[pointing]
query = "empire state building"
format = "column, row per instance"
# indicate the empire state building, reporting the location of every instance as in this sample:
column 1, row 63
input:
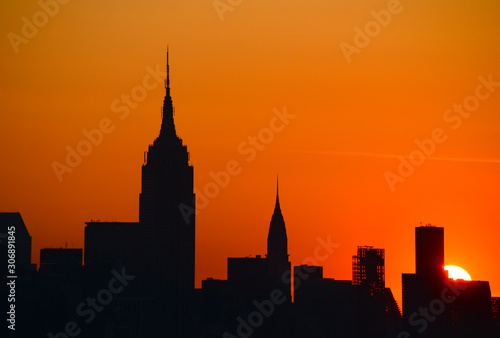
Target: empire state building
column 167, row 184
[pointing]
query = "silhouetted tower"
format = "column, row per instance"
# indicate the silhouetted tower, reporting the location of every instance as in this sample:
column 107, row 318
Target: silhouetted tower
column 166, row 213
column 368, row 269
column 429, row 251
column 427, row 284
column 277, row 251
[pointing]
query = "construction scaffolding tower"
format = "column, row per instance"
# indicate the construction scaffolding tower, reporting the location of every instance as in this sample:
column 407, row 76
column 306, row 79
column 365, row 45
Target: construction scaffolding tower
column 368, row 269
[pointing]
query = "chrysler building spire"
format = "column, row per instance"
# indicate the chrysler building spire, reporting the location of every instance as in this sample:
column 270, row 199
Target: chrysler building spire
column 277, row 241
column 277, row 250
column 277, row 205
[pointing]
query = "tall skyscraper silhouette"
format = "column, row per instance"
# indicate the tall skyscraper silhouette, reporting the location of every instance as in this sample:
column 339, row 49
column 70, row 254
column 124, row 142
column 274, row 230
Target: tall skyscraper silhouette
column 426, row 284
column 167, row 187
column 429, row 252
column 436, row 306
column 277, row 250
column 159, row 250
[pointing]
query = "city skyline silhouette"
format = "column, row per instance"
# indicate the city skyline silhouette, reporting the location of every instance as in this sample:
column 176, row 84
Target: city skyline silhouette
column 377, row 116
column 354, row 123
column 158, row 254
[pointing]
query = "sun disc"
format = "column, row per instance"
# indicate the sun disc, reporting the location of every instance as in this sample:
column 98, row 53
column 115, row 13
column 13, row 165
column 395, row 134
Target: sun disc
column 457, row 272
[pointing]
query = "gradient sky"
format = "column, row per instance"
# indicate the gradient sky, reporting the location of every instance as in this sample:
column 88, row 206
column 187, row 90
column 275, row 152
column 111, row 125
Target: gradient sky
column 352, row 121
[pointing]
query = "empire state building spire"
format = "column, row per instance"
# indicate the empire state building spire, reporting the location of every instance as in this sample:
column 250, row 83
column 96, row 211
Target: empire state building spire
column 277, row 205
column 167, row 80
column 167, row 130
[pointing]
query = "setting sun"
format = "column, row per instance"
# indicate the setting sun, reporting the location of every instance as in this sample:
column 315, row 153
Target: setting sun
column 457, row 272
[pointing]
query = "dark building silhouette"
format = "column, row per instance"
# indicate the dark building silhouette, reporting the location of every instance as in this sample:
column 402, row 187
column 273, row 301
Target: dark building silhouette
column 13, row 231
column 159, row 250
column 22, row 239
column 471, row 312
column 251, row 281
column 260, row 275
column 323, row 307
column 426, row 284
column 166, row 213
column 59, row 289
column 495, row 302
column 69, row 257
column 303, row 272
column 429, row 252
column 248, row 272
column 368, row 269
column 116, row 245
column 495, row 305
column 437, row 306
column 376, row 312
column 277, row 251
column 363, row 307
column 393, row 314
column 368, row 279
column 108, row 243
column 138, row 277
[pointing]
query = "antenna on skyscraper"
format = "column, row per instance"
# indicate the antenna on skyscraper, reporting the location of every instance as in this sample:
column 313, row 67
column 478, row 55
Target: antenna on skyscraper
column 167, row 80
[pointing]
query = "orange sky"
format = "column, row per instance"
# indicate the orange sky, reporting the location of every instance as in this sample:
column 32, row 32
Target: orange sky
column 352, row 121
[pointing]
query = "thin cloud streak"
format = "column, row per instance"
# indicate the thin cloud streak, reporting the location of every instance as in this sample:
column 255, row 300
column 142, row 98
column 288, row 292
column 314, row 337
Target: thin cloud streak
column 377, row 155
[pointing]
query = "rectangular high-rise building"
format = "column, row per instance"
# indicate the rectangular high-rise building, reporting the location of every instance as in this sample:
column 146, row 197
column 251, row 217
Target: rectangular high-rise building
column 429, row 251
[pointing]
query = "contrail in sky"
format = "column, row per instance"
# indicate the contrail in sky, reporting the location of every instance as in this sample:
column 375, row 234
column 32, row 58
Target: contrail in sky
column 433, row 158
